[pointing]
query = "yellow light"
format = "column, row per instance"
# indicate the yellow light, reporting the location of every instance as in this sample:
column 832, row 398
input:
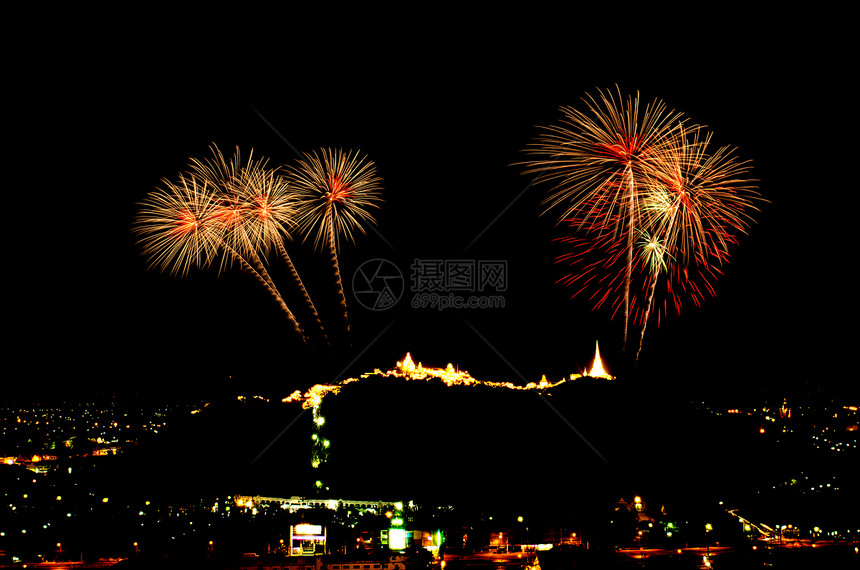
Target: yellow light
column 305, row 529
column 597, row 370
column 637, row 499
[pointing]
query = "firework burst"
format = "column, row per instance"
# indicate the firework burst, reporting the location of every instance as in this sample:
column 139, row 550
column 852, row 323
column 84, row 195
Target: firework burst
column 271, row 218
column 697, row 206
column 596, row 162
column 178, row 226
column 335, row 192
column 219, row 206
column 643, row 198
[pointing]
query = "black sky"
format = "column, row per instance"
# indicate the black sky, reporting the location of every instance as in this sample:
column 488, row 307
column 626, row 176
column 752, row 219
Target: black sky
column 444, row 116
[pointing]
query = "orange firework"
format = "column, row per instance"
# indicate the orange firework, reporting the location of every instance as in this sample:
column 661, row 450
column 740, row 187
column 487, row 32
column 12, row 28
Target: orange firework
column 596, row 162
column 335, row 192
column 254, row 210
column 219, row 206
column 697, row 205
column 178, row 227
column 271, row 215
column 629, row 182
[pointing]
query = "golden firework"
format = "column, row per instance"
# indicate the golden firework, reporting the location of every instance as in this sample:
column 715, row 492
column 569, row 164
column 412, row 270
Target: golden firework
column 335, row 193
column 178, row 226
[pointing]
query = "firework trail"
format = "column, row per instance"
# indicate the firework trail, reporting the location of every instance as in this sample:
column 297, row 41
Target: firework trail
column 272, row 213
column 249, row 218
column 335, row 191
column 219, row 206
column 697, row 205
column 181, row 226
column 596, row 163
column 690, row 206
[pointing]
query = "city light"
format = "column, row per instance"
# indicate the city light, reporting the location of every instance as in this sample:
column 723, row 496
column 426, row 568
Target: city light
column 397, row 539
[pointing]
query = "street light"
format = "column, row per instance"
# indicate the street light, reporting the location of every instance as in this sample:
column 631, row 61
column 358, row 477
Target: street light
column 708, row 528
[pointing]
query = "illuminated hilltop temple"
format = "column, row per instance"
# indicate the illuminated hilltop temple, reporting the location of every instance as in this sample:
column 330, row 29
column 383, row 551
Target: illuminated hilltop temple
column 597, row 370
column 408, row 370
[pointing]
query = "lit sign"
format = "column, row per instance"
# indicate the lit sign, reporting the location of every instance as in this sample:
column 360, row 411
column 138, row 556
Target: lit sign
column 397, row 539
column 307, row 529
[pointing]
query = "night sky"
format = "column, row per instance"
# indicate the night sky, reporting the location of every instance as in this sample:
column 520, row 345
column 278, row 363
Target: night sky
column 96, row 125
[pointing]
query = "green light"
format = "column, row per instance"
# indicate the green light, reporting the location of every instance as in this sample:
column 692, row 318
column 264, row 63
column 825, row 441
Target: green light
column 397, row 521
column 318, row 484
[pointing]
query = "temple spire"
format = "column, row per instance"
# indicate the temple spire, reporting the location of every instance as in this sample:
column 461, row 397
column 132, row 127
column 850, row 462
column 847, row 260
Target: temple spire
column 597, row 370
